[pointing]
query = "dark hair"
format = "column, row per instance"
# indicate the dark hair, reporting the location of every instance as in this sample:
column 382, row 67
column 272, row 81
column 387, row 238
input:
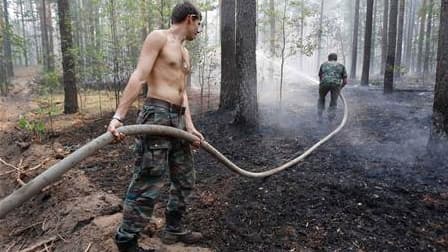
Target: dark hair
column 182, row 10
column 332, row 57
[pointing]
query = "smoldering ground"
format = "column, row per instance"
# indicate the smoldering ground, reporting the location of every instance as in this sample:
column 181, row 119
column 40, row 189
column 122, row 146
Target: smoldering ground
column 367, row 188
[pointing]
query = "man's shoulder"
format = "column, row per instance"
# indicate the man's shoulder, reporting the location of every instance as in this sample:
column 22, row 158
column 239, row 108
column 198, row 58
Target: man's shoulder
column 341, row 65
column 159, row 36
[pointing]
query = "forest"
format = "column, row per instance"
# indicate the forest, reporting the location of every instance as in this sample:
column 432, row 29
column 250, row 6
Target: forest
column 329, row 117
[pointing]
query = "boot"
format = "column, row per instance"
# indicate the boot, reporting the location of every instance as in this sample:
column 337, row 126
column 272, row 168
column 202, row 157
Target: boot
column 186, row 236
column 130, row 246
column 174, row 232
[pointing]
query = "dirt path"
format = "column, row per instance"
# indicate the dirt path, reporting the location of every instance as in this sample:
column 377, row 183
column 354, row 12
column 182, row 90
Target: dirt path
column 19, row 100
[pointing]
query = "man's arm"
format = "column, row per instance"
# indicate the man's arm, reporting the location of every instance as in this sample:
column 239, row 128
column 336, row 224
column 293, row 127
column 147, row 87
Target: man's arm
column 344, row 76
column 344, row 82
column 188, row 121
column 320, row 73
column 151, row 47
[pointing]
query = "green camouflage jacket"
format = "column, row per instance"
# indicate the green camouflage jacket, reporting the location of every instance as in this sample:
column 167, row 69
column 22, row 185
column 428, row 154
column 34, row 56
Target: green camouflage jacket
column 331, row 73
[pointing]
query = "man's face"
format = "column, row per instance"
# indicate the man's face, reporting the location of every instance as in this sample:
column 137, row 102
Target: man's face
column 194, row 27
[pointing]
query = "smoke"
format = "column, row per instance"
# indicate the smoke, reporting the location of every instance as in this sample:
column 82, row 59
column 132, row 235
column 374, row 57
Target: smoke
column 380, row 128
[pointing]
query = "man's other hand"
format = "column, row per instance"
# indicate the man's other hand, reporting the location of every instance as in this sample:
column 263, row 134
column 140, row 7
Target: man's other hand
column 112, row 128
column 197, row 134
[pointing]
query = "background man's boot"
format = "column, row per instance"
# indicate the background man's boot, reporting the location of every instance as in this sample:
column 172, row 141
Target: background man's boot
column 174, row 232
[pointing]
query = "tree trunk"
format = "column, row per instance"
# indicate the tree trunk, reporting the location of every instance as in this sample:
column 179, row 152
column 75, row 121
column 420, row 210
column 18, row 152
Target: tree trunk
column 355, row 42
column 49, row 25
column 283, row 49
column 372, row 46
column 229, row 86
column 272, row 27
column 399, row 41
column 113, row 24
column 410, row 35
column 319, row 34
column 68, row 59
column 25, row 48
column 302, row 26
column 428, row 38
column 44, row 36
column 384, row 37
column 391, row 48
column 367, row 44
column 246, row 65
column 421, row 37
column 438, row 140
column 3, row 74
column 7, row 42
column 33, row 6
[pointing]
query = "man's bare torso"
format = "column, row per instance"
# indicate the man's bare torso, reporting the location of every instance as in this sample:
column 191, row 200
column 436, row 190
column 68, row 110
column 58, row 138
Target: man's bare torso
column 166, row 81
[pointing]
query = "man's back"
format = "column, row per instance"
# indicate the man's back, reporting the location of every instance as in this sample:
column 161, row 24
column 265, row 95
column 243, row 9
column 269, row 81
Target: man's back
column 331, row 73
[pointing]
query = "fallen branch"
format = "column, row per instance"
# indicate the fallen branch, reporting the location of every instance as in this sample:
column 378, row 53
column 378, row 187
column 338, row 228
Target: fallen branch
column 19, row 180
column 7, row 172
column 88, row 247
column 23, row 171
column 24, row 229
column 39, row 244
column 8, row 164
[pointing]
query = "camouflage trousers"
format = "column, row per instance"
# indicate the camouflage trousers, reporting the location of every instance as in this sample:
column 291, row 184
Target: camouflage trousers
column 323, row 91
column 157, row 157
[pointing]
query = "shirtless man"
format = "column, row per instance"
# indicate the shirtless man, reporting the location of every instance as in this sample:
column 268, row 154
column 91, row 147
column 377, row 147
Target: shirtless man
column 164, row 65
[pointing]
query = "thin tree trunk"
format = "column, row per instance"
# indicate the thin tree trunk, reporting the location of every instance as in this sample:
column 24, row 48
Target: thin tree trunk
column 3, row 70
column 49, row 29
column 44, row 35
column 428, row 38
column 35, row 37
column 7, row 42
column 372, row 46
column 399, row 40
column 355, row 42
column 283, row 49
column 421, row 37
column 302, row 26
column 410, row 35
column 25, row 48
column 272, row 27
column 384, row 39
column 68, row 59
column 319, row 35
column 367, row 44
column 392, row 43
column 115, row 52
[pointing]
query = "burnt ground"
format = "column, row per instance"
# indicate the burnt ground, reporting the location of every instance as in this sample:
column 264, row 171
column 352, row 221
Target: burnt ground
column 370, row 188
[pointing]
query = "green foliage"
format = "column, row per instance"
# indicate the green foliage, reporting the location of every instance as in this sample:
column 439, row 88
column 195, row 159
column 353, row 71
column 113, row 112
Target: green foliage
column 50, row 82
column 35, row 127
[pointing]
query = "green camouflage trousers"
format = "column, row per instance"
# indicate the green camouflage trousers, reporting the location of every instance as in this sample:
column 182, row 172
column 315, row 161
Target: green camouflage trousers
column 155, row 156
column 323, row 91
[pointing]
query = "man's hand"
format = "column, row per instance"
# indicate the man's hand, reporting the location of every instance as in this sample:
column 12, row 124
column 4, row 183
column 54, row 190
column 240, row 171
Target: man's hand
column 112, row 128
column 197, row 134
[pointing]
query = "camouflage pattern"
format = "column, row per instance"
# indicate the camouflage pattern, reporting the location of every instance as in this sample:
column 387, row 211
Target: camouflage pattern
column 323, row 91
column 156, row 156
column 332, row 73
